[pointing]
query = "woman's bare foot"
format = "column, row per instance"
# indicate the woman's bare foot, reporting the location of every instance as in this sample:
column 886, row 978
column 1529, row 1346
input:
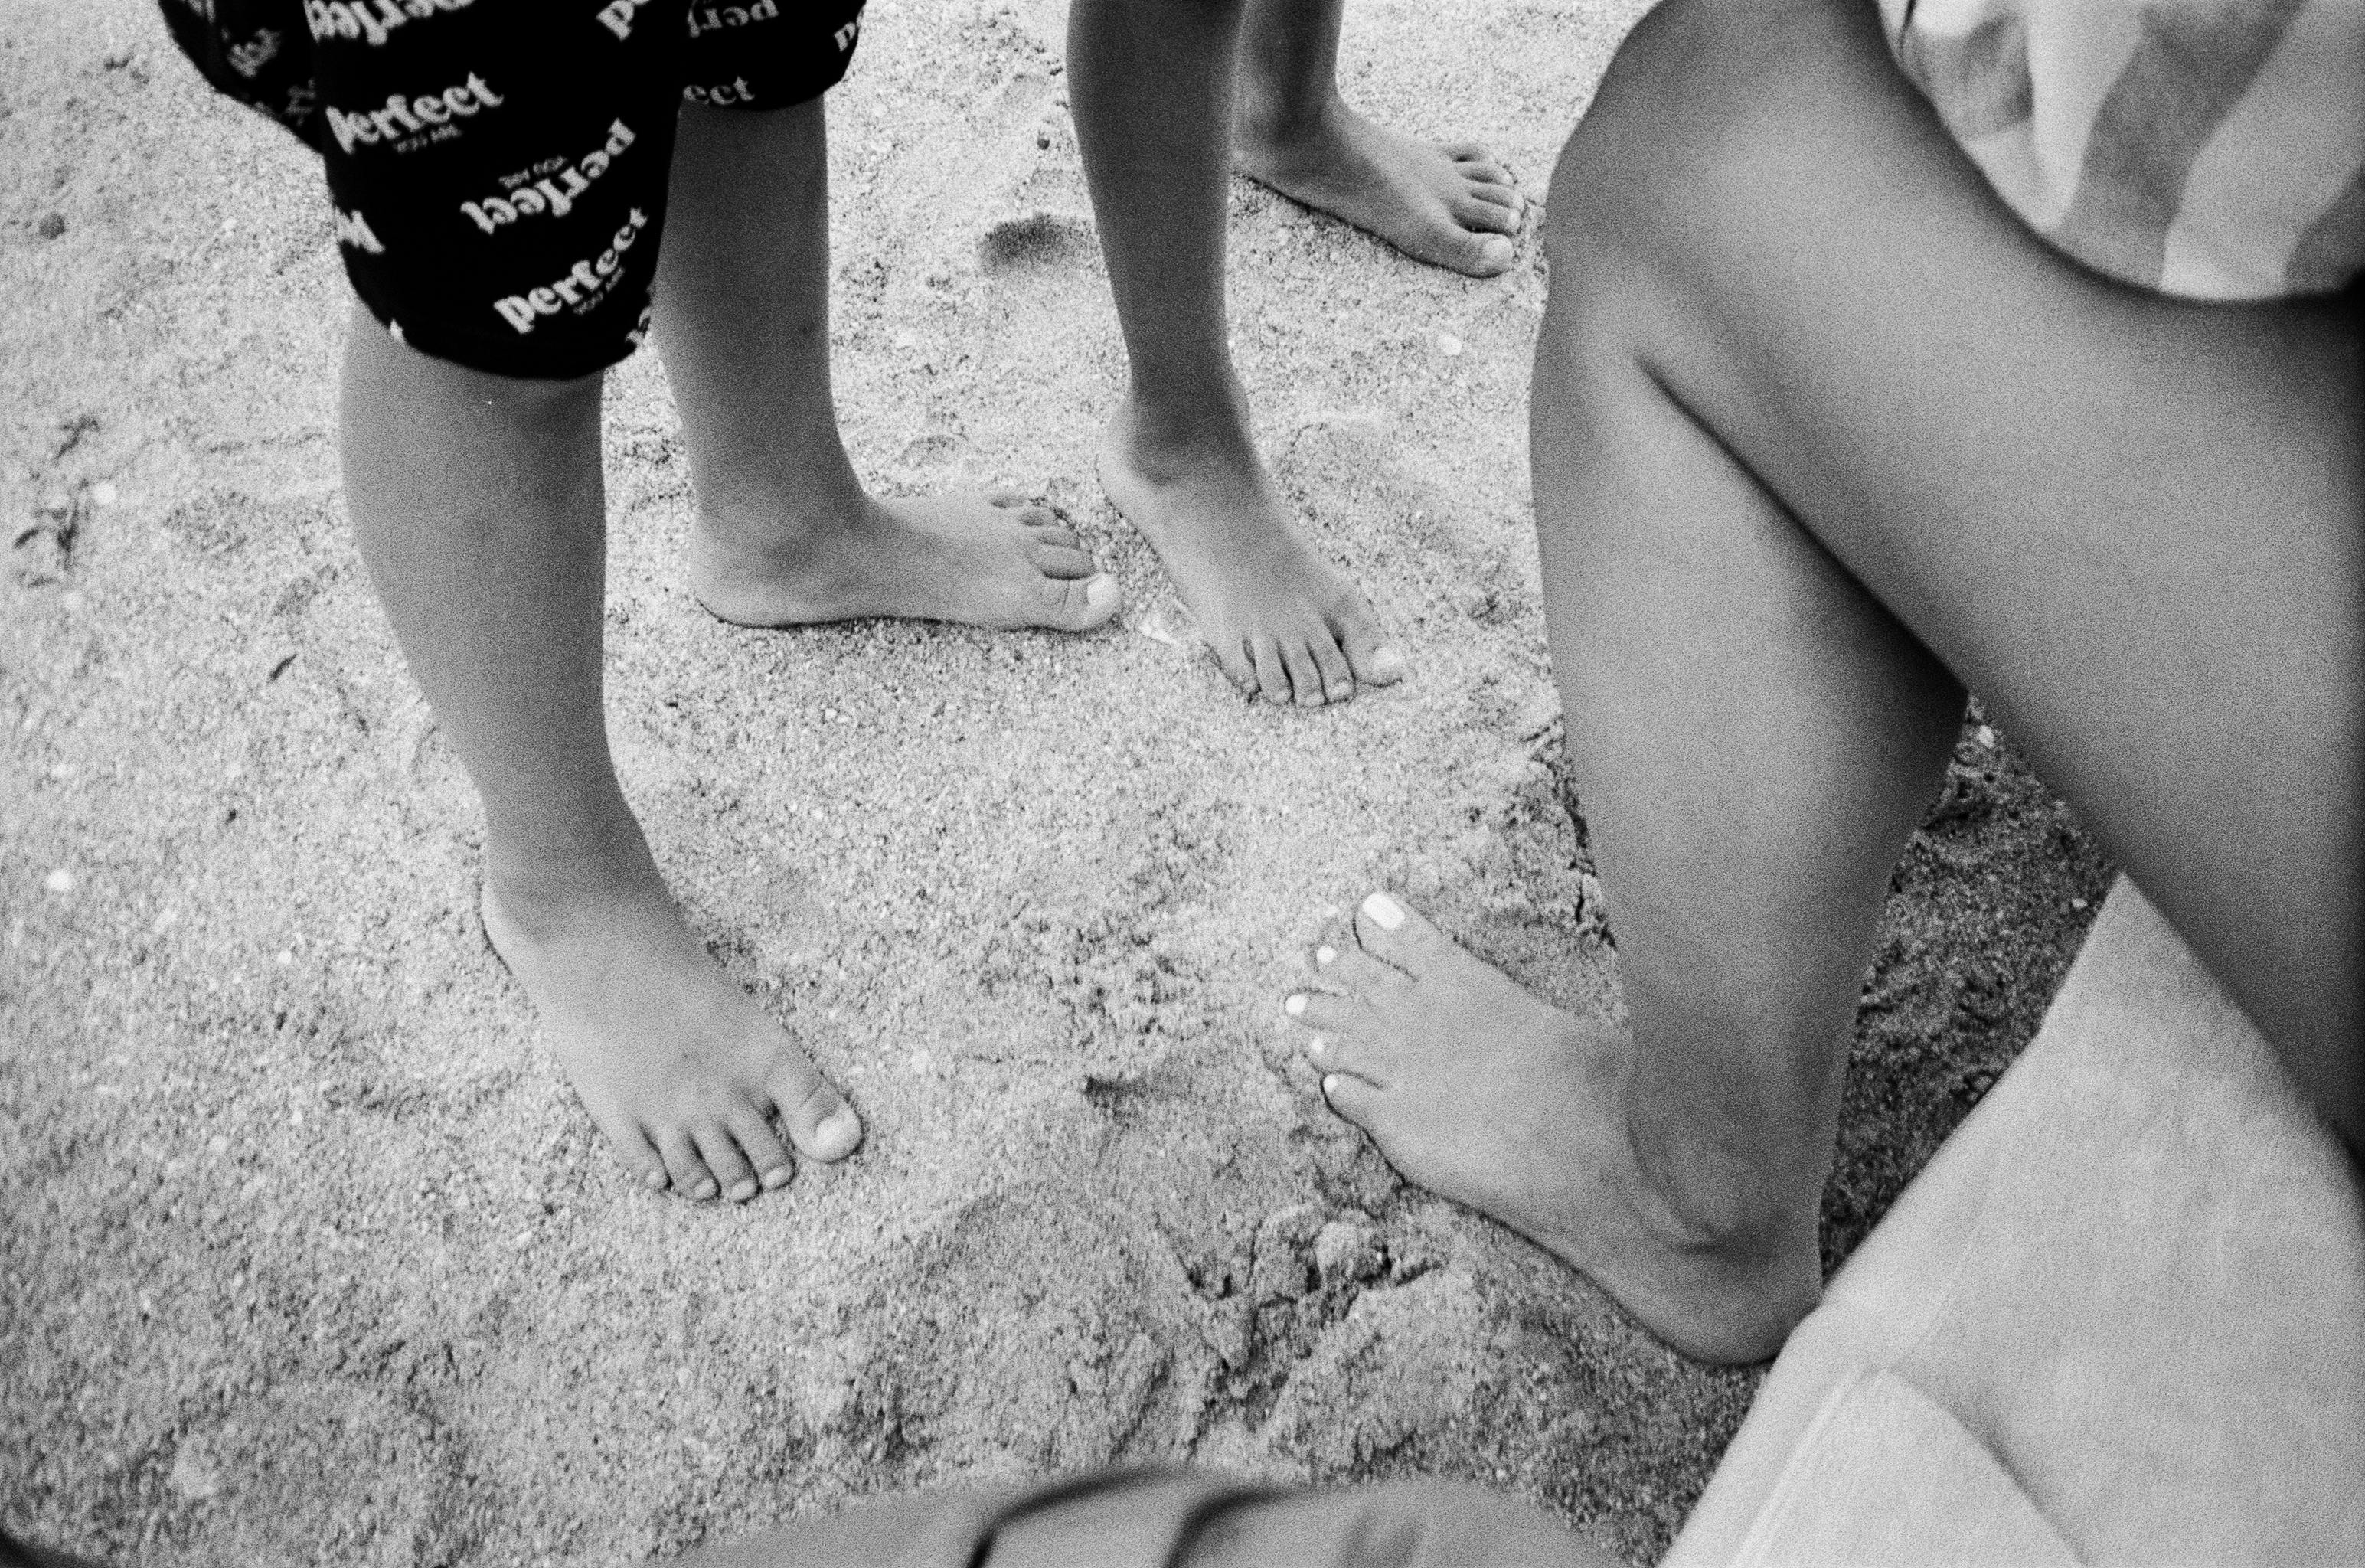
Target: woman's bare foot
column 1451, row 205
column 1280, row 619
column 679, row 1068
column 991, row 561
column 1478, row 1092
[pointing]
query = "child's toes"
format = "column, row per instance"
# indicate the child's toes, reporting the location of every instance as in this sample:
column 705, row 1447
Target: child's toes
column 1272, row 674
column 632, row 1147
column 685, row 1168
column 1306, row 682
column 731, row 1173
column 820, row 1122
column 1238, row 664
column 1332, row 669
column 752, row 1130
column 1475, row 212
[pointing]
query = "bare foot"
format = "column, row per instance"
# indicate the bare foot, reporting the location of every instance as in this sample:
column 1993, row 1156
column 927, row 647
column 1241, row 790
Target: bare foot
column 990, row 561
column 1450, row 205
column 679, row 1066
column 1478, row 1092
column 1280, row 619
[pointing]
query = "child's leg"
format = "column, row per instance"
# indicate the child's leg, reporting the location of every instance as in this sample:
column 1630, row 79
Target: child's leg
column 1815, row 423
column 1452, row 205
column 785, row 532
column 477, row 502
column 1152, row 92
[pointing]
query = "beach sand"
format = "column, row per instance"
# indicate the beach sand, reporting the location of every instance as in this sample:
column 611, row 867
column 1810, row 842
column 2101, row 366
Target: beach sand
column 309, row 1254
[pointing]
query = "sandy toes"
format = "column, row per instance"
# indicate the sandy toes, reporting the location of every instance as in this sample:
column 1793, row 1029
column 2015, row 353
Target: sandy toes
column 992, row 561
column 1480, row 1093
column 679, row 1068
column 1280, row 620
column 1450, row 205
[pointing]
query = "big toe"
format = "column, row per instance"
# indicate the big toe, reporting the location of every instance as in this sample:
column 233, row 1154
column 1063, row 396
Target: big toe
column 1370, row 654
column 820, row 1122
column 1402, row 937
column 1483, row 255
column 1078, row 604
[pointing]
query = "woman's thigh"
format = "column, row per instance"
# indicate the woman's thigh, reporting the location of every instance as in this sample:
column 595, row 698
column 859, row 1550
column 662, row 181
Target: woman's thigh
column 2131, row 523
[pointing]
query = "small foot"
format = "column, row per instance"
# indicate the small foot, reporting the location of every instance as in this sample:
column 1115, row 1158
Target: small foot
column 1280, row 620
column 991, row 561
column 678, row 1066
column 1451, row 205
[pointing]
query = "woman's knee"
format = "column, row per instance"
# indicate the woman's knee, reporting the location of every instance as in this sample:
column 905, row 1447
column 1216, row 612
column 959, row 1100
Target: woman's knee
column 1665, row 174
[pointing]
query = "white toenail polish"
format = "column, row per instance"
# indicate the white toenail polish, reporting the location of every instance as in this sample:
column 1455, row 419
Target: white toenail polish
column 1324, row 955
column 1316, row 1047
column 1384, row 911
column 1329, row 1083
column 1294, row 1006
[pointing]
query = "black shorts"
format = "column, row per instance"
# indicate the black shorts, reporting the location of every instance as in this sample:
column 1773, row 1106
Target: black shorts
column 498, row 166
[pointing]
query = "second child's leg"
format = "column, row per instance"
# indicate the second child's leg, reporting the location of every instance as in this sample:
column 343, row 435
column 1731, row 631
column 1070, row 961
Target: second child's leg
column 1152, row 90
column 785, row 533
column 477, row 502
column 1452, row 205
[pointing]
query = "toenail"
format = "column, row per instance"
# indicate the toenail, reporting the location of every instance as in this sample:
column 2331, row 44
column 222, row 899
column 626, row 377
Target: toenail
column 742, row 1191
column 1497, row 252
column 653, row 1179
column 1388, row 665
column 838, row 1133
column 1343, row 690
column 776, row 1177
column 1316, row 1048
column 1325, row 954
column 1329, row 1083
column 1294, row 1006
column 1329, row 912
column 705, row 1189
column 1384, row 911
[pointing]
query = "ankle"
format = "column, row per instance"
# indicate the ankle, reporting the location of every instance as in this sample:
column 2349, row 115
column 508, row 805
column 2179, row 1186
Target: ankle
column 779, row 515
column 1701, row 1197
column 1267, row 120
column 538, row 891
column 1167, row 434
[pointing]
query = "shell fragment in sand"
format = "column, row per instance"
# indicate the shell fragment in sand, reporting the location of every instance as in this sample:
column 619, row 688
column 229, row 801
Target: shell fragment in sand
column 1169, row 621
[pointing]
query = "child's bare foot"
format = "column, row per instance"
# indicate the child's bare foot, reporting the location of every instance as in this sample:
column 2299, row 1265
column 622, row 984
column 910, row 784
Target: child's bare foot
column 679, row 1066
column 1476, row 1091
column 1280, row 619
column 1450, row 205
column 990, row 561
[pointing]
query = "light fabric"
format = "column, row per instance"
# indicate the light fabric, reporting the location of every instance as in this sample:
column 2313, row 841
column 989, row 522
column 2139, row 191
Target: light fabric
column 2134, row 1278
column 2210, row 149
column 1884, row 1477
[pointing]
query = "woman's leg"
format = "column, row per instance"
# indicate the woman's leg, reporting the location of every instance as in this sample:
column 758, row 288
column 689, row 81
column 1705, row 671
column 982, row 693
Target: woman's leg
column 1819, row 429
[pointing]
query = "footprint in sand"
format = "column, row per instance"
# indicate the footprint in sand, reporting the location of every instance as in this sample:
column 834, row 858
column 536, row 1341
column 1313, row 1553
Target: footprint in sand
column 1034, row 240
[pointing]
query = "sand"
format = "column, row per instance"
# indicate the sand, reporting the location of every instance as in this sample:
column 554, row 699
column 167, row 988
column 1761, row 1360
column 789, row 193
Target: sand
column 309, row 1254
